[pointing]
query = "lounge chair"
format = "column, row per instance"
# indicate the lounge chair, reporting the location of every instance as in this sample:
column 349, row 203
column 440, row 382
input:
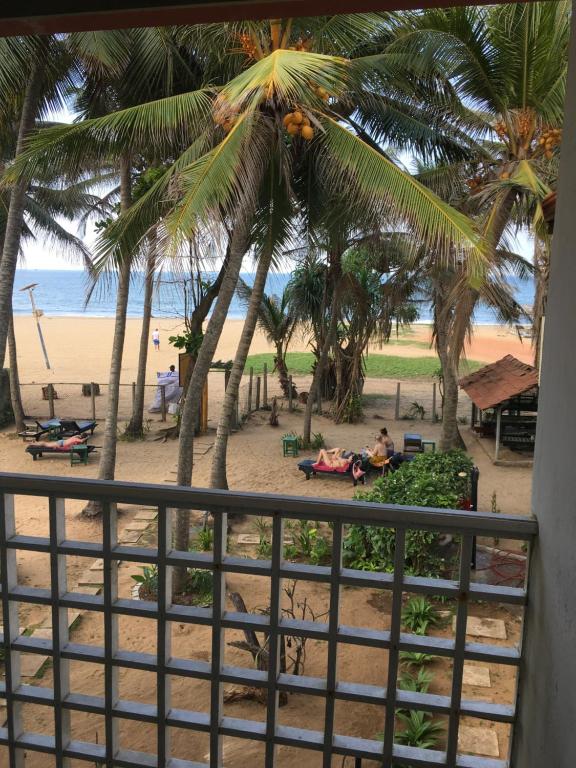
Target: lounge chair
column 34, row 430
column 352, row 471
column 72, row 427
column 78, row 453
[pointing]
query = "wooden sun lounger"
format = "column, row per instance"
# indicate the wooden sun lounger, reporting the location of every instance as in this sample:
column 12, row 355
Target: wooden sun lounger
column 78, row 453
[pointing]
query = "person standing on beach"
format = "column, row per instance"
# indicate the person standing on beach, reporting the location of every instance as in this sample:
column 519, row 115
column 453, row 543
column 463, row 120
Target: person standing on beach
column 156, row 339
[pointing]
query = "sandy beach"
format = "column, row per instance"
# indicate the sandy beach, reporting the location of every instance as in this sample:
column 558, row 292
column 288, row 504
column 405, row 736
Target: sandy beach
column 79, row 350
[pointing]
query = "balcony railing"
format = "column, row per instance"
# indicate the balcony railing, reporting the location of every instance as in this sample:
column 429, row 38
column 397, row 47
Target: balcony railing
column 19, row 743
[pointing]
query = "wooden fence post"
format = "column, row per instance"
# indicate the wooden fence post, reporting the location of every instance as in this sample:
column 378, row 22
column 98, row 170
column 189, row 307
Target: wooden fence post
column 290, row 405
column 265, row 388
column 163, row 402
column 93, row 398
column 250, row 382
column 434, row 415
column 397, row 409
column 258, row 385
column 133, row 394
column 51, row 399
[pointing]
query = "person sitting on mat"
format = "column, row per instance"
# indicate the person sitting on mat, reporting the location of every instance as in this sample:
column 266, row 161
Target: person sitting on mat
column 333, row 458
column 378, row 455
column 64, row 444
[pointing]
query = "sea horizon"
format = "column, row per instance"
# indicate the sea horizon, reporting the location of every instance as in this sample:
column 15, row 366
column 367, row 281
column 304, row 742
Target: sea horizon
column 62, row 293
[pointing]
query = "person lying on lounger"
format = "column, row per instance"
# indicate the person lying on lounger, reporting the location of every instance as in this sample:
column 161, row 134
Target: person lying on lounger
column 62, row 445
column 333, row 458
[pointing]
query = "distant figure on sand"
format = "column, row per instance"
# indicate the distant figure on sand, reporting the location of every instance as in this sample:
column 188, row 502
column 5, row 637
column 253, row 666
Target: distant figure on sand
column 332, row 458
column 64, row 444
column 156, row 339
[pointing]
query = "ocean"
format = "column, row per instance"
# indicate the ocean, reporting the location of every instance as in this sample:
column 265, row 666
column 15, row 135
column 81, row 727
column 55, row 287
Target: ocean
column 62, row 293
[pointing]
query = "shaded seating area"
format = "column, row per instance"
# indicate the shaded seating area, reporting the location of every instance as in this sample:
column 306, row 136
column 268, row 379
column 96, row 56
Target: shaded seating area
column 504, row 399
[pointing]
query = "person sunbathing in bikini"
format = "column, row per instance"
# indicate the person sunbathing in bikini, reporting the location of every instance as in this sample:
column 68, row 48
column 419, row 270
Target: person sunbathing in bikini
column 333, row 458
column 63, row 444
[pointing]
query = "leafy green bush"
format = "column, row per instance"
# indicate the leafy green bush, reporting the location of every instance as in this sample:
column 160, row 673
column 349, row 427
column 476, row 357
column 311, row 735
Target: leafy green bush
column 429, row 480
column 418, row 684
column 419, row 730
column 418, row 615
column 410, row 659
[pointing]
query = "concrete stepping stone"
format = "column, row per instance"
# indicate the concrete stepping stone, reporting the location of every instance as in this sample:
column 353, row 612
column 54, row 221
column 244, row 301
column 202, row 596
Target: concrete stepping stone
column 147, row 514
column 91, row 579
column 97, row 565
column 475, row 675
column 90, row 589
column 137, row 525
column 479, row 627
column 43, row 633
column 31, row 664
column 130, row 537
column 478, row 740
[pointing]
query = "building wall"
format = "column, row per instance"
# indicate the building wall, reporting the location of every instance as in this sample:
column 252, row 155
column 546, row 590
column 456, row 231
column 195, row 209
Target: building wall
column 546, row 732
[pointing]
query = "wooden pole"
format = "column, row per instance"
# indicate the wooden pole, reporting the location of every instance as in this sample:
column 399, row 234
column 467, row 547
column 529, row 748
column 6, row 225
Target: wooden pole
column 250, row 382
column 258, row 385
column 498, row 426
column 93, row 398
column 397, row 409
column 290, row 405
column 163, row 402
column 51, row 399
column 434, row 414
column 265, row 388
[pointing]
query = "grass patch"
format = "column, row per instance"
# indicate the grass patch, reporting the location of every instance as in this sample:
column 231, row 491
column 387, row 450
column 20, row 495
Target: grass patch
column 377, row 366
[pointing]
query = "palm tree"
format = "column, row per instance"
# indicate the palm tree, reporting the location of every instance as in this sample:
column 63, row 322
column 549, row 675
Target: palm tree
column 298, row 92
column 277, row 322
column 509, row 98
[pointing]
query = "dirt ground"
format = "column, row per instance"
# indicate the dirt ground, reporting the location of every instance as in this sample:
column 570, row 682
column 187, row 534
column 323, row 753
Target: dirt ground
column 255, row 464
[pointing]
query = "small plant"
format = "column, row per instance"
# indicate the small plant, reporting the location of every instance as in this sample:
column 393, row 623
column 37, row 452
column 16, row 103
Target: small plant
column 317, row 441
column 416, row 410
column 418, row 684
column 200, row 582
column 309, row 542
column 419, row 730
column 462, row 419
column 419, row 614
column 206, row 539
column 413, row 659
column 264, row 548
column 148, row 581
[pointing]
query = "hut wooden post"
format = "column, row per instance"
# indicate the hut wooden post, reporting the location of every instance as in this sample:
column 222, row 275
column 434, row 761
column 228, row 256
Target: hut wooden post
column 498, row 428
column 397, row 408
column 250, row 384
column 258, row 386
column 93, row 399
column 163, row 402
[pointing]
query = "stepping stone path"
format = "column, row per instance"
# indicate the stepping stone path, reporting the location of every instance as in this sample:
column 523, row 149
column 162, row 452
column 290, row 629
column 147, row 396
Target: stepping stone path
column 91, row 579
column 478, row 741
column 147, row 514
column 97, row 565
column 89, row 589
column 31, row 664
column 477, row 627
column 130, row 537
column 475, row 675
column 137, row 525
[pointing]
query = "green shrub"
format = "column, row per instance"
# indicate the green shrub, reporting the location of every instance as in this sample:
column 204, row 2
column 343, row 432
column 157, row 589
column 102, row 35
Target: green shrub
column 418, row 684
column 419, row 730
column 429, row 480
column 418, row 615
column 410, row 659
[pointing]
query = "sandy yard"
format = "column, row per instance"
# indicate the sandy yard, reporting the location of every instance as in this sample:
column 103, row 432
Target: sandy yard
column 255, row 464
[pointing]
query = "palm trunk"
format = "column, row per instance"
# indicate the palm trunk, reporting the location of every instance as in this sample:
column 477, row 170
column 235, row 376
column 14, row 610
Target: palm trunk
column 450, row 437
column 218, row 475
column 15, row 394
column 542, row 271
column 282, row 371
column 107, row 465
column 15, row 217
column 135, row 427
column 238, row 246
column 321, row 366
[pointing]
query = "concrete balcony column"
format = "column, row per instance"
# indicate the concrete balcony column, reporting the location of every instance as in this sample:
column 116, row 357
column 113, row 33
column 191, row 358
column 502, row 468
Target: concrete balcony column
column 545, row 734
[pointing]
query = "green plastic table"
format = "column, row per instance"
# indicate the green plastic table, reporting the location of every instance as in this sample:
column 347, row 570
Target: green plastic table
column 78, row 455
column 290, row 445
column 430, row 443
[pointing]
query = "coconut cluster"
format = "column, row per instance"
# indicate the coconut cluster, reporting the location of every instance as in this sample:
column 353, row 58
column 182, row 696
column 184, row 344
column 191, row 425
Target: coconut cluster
column 297, row 124
column 550, row 138
column 248, row 45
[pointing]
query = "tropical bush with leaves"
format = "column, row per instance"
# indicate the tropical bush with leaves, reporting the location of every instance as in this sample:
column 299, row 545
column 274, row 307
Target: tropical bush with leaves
column 419, row 614
column 429, row 480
